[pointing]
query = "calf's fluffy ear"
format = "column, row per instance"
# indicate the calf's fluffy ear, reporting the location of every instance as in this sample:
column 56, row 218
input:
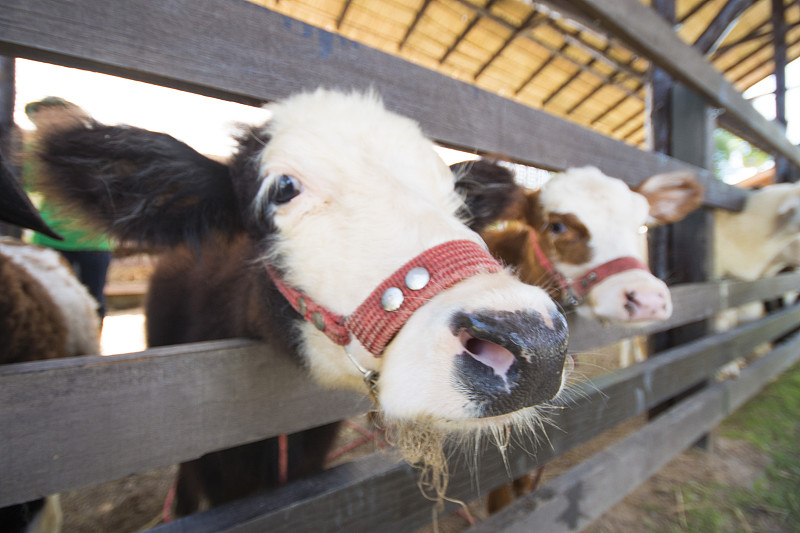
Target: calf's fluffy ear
column 672, row 196
column 489, row 190
column 137, row 184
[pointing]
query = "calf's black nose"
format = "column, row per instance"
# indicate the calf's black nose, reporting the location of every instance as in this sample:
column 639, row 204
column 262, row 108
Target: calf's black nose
column 510, row 359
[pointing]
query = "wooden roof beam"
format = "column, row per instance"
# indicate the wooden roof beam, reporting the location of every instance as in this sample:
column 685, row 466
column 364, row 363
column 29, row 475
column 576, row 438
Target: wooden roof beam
column 597, row 53
column 759, row 65
column 763, row 31
column 463, row 35
column 343, row 14
column 559, row 52
column 413, row 26
column 599, row 117
column 645, row 31
column 539, row 70
column 725, row 20
column 569, row 81
column 692, row 12
column 533, row 20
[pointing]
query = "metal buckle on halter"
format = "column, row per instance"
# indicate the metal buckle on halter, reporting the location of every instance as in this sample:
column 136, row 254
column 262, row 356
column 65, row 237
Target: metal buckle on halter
column 370, row 377
column 571, row 296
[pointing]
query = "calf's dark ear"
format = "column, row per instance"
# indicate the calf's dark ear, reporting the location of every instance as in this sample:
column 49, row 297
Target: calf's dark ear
column 139, row 185
column 488, row 189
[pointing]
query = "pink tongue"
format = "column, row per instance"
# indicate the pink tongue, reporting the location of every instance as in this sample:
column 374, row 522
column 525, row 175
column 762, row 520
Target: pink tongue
column 490, row 354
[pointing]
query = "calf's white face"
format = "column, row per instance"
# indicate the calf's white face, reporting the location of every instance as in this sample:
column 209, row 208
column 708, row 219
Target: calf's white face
column 587, row 219
column 763, row 238
column 353, row 193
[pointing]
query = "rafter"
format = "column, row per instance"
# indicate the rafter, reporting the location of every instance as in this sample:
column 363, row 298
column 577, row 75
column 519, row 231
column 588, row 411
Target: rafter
column 533, row 20
column 464, row 33
column 760, row 65
column 725, row 20
column 763, row 31
column 692, row 12
column 597, row 53
column 539, row 70
column 413, row 25
column 569, row 80
column 343, row 14
column 571, row 110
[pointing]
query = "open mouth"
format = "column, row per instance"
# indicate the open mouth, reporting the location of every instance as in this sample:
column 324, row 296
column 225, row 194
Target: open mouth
column 487, row 353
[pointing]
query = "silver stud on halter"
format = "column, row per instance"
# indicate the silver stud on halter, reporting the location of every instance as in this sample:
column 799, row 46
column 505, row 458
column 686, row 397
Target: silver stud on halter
column 392, row 299
column 417, row 278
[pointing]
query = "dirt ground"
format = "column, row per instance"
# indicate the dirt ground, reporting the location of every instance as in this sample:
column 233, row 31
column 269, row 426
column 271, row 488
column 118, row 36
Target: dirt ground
column 136, row 502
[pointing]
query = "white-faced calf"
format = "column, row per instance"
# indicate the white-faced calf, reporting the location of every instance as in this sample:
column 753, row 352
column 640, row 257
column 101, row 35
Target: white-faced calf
column 339, row 212
column 580, row 236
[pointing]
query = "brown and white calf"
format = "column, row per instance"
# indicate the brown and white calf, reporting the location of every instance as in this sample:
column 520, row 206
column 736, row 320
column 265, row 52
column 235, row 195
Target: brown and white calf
column 45, row 313
column 580, row 237
column 340, row 212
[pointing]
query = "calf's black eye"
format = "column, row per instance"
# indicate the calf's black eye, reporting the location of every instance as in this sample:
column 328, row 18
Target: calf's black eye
column 558, row 227
column 284, row 189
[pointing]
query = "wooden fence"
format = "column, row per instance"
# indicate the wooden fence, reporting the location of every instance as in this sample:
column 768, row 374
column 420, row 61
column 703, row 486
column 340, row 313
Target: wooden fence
column 76, row 422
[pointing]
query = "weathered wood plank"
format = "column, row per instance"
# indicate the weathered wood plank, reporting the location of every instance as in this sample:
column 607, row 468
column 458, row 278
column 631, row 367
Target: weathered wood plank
column 641, row 27
column 73, row 422
column 386, row 496
column 239, row 51
column 581, row 495
column 177, row 403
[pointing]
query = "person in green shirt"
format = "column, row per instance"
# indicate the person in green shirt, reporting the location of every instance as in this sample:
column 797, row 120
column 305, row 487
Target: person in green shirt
column 88, row 252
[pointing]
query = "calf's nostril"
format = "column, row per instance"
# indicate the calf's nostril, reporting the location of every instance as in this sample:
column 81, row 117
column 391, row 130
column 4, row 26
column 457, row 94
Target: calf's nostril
column 487, row 353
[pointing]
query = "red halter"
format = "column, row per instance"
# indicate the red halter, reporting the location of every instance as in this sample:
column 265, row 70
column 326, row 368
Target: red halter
column 575, row 290
column 378, row 319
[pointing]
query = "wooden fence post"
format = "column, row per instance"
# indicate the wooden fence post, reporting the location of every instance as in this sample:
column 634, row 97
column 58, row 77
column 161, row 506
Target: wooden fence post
column 7, row 139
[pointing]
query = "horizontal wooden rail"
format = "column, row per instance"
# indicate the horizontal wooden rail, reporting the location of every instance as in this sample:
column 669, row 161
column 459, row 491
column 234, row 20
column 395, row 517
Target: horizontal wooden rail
column 378, row 492
column 80, row 421
column 239, row 51
column 57, row 417
column 691, row 302
column 582, row 494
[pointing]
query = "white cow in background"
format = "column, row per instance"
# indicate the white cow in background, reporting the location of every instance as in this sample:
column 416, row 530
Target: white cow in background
column 761, row 240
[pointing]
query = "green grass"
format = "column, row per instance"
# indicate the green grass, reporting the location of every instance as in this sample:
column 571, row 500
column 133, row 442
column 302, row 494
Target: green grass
column 771, row 422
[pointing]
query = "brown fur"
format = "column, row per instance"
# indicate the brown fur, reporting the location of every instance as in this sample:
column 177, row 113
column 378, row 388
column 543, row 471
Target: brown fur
column 512, row 244
column 219, row 291
column 30, row 324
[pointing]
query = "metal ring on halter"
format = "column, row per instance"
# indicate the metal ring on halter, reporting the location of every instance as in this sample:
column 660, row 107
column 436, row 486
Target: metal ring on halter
column 370, row 377
column 572, row 299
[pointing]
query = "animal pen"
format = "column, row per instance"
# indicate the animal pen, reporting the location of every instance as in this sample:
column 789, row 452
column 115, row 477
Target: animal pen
column 76, row 422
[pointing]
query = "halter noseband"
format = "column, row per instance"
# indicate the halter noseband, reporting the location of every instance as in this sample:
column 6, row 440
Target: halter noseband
column 576, row 290
column 378, row 319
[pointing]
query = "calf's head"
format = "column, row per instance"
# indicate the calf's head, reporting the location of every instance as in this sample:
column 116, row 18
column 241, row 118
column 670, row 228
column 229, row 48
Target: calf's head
column 338, row 195
column 763, row 238
column 581, row 235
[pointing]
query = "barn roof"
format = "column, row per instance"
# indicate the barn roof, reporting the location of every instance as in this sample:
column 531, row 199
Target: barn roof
column 548, row 55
